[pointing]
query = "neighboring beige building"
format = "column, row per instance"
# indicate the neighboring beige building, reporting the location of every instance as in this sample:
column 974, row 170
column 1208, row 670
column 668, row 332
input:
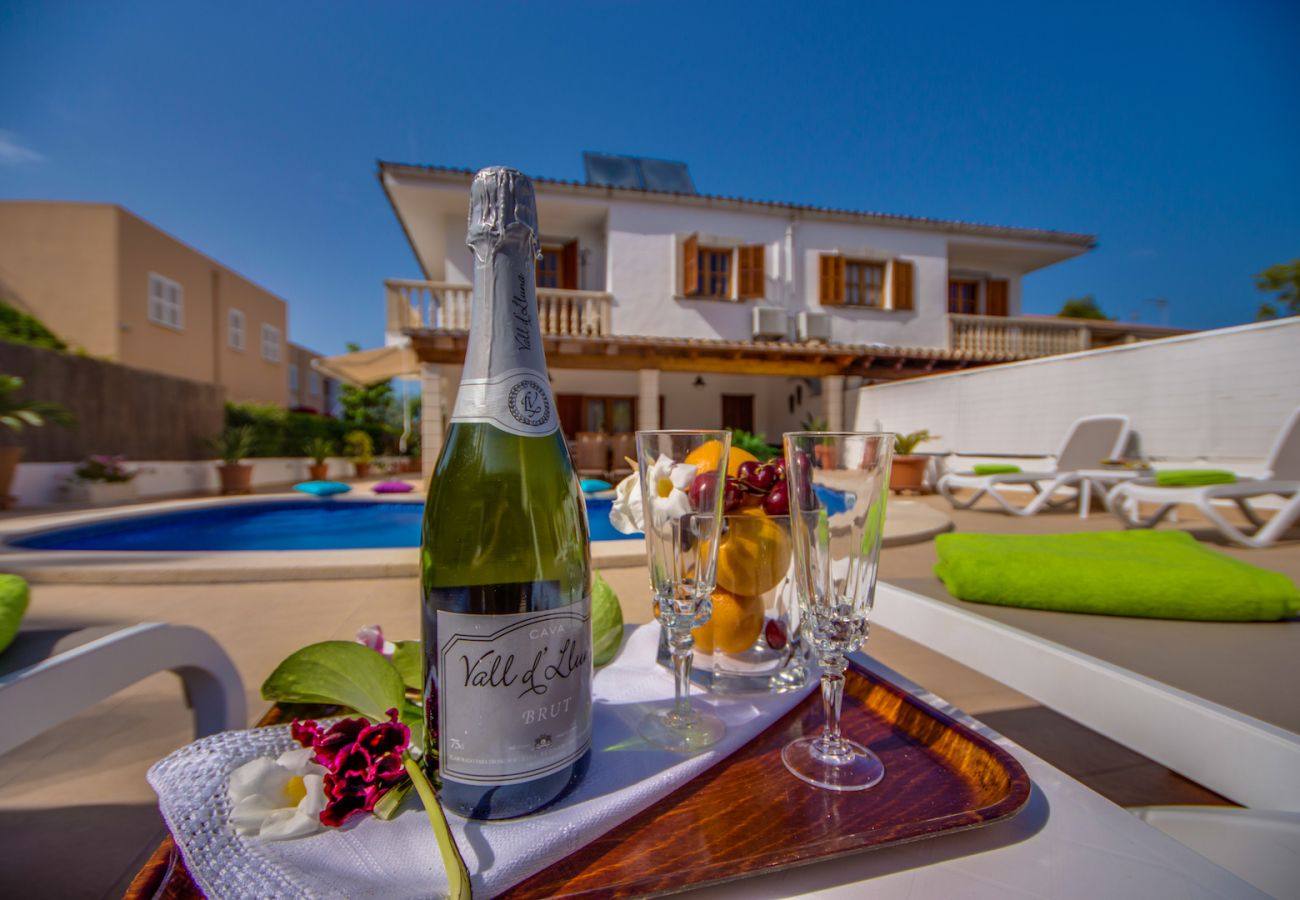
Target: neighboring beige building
column 106, row 281
column 309, row 390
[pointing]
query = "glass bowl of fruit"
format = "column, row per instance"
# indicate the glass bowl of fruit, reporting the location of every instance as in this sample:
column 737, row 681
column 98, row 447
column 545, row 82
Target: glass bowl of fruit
column 751, row 641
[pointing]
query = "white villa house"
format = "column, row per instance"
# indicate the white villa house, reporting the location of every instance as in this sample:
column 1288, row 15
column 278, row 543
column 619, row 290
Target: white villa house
column 664, row 307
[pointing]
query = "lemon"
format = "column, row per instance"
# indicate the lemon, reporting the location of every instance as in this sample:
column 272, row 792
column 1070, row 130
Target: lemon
column 754, row 555
column 734, row 626
column 706, row 457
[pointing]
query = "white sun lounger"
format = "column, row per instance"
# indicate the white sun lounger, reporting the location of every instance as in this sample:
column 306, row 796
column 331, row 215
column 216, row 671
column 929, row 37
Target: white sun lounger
column 1089, row 441
column 1282, row 479
column 48, row 676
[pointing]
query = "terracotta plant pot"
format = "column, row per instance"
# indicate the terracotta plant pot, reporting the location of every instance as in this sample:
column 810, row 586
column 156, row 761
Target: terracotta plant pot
column 9, row 458
column 363, row 469
column 828, row 456
column 236, row 478
column 908, row 473
column 319, row 471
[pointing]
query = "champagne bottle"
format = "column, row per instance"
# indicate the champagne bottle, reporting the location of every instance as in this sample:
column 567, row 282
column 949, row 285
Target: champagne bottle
column 505, row 561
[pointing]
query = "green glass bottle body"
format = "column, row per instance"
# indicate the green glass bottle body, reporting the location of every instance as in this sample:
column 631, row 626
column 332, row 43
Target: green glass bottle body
column 505, row 559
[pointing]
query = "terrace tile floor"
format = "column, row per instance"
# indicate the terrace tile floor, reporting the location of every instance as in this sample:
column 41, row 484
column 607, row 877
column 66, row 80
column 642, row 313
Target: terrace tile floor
column 78, row 818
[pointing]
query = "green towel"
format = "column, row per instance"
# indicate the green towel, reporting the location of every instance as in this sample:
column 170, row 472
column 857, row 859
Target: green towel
column 1194, row 477
column 995, row 469
column 13, row 604
column 1159, row 574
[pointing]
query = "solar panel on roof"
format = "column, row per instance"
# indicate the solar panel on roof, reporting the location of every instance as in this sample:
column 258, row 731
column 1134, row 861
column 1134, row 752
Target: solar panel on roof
column 609, row 170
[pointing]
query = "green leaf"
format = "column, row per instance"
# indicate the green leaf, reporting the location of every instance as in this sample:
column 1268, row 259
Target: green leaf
column 457, row 874
column 341, row 672
column 412, row 716
column 409, row 660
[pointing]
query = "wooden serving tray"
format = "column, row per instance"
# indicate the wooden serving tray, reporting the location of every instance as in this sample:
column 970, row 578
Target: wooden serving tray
column 747, row 815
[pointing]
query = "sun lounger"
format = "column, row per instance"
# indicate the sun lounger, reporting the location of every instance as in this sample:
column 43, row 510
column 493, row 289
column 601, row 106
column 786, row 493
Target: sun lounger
column 592, row 454
column 48, row 676
column 1089, row 441
column 622, row 447
column 1282, row 480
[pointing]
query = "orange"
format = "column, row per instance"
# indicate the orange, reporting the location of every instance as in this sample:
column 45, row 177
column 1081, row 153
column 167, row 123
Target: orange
column 706, row 457
column 734, row 626
column 754, row 554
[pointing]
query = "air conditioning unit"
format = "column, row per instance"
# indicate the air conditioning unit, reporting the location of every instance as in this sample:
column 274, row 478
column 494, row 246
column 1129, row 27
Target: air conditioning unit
column 814, row 327
column 770, row 323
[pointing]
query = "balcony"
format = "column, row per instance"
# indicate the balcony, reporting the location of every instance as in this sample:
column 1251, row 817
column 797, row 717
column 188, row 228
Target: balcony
column 1023, row 337
column 445, row 306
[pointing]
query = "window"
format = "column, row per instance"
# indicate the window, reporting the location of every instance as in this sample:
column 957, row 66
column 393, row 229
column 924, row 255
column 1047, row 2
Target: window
column 863, row 282
column 293, row 378
column 707, row 271
column 852, row 282
column 963, row 297
column 235, row 329
column 270, row 343
column 166, row 302
column 557, row 268
column 313, row 383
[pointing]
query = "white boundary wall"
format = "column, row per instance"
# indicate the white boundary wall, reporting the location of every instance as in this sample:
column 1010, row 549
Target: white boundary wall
column 40, row 483
column 1214, row 395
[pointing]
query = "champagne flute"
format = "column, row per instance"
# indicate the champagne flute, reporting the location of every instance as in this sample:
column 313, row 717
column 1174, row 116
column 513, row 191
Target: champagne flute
column 683, row 479
column 838, row 483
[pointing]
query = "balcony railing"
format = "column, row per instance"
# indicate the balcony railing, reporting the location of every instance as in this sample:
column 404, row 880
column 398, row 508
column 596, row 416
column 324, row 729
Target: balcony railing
column 445, row 306
column 1004, row 336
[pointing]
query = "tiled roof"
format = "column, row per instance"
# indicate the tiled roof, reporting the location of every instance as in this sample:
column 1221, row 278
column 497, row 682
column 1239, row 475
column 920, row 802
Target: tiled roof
column 972, row 228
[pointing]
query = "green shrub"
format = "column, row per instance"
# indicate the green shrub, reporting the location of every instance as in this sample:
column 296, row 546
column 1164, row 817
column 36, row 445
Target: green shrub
column 18, row 327
column 753, row 443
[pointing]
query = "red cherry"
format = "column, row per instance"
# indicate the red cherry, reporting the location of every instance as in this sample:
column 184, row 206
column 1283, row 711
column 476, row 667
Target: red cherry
column 777, row 502
column 733, row 495
column 763, row 479
column 774, row 632
column 779, row 465
column 745, row 471
column 702, row 490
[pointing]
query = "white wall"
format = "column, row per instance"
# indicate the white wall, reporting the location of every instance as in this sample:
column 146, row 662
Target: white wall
column 1220, row 394
column 39, row 484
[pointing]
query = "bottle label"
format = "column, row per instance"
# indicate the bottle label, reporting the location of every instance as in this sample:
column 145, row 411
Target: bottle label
column 514, row 691
column 517, row 401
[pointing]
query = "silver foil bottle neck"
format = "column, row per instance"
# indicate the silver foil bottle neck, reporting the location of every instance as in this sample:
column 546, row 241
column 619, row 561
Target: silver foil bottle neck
column 502, row 206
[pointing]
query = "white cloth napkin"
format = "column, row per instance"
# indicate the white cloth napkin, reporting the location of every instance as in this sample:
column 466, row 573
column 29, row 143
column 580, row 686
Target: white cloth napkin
column 399, row 858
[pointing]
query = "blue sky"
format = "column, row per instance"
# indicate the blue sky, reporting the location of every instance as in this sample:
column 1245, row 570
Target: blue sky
column 251, row 131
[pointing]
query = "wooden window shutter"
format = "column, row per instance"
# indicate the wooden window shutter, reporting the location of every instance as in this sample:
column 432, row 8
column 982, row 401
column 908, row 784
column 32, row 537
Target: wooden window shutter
column 902, row 298
column 832, row 279
column 752, row 275
column 569, row 266
column 691, row 265
column 995, row 298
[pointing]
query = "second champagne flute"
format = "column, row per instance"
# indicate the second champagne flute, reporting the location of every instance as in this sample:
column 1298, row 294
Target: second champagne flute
column 683, row 478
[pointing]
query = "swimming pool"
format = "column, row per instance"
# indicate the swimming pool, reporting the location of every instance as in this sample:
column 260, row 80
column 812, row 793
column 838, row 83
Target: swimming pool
column 271, row 525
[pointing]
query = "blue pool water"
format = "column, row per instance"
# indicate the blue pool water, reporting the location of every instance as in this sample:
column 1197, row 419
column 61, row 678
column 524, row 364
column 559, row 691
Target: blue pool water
column 273, row 525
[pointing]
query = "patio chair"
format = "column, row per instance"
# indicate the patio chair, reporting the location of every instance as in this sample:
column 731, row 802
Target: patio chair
column 1282, row 480
column 1089, row 441
column 592, row 454
column 622, row 447
column 47, row 676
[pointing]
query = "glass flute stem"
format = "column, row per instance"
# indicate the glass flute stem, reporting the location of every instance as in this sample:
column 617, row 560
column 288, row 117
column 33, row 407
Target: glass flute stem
column 831, row 745
column 682, row 646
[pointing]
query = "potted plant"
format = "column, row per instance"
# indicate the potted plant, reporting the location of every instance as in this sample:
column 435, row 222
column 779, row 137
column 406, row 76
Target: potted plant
column 232, row 445
column 15, row 415
column 320, row 449
column 360, row 451
column 908, row 471
column 101, row 479
column 826, row 453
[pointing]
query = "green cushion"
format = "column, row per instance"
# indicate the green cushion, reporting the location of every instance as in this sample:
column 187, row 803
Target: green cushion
column 996, row 469
column 1157, row 574
column 595, row 486
column 13, row 605
column 1194, row 477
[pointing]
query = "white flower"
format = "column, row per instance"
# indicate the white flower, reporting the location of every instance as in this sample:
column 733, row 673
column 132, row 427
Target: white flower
column 278, row 799
column 625, row 513
column 669, row 482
